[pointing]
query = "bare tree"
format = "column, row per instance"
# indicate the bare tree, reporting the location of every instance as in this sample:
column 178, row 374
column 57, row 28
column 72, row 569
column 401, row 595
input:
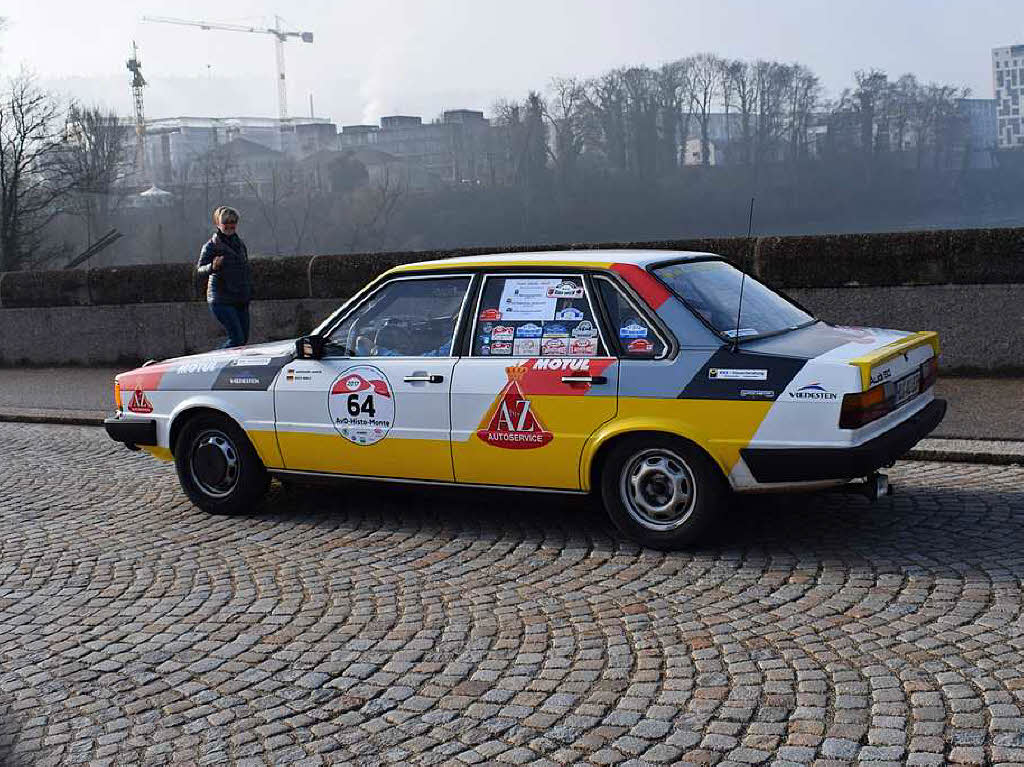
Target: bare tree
column 606, row 124
column 372, row 211
column 704, row 84
column 740, row 76
column 285, row 202
column 641, row 90
column 30, row 181
column 564, row 113
column 673, row 81
column 93, row 160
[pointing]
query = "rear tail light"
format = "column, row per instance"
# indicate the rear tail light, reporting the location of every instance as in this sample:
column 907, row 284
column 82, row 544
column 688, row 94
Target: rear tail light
column 864, row 407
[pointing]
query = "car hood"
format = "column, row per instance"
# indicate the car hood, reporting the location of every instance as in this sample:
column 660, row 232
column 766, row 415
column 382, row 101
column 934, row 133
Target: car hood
column 245, row 368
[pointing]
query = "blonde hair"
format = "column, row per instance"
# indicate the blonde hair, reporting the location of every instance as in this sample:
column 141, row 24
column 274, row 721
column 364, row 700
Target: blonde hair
column 224, row 215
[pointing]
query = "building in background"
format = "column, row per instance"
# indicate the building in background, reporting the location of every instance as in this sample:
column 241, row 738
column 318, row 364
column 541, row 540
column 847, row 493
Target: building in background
column 1008, row 84
column 982, row 131
column 458, row 148
column 174, row 144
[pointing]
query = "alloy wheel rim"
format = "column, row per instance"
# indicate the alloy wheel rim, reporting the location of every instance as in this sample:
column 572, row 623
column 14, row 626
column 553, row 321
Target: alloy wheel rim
column 658, row 489
column 214, row 463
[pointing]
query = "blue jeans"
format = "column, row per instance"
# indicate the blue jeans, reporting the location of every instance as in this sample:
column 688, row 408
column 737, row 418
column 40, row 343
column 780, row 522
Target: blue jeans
column 235, row 320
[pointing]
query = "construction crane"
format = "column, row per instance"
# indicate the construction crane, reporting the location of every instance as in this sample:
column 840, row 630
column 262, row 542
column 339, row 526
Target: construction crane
column 280, row 36
column 138, row 83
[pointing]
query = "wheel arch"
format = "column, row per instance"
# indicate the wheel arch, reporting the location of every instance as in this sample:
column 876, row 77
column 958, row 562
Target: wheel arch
column 596, row 451
column 186, row 413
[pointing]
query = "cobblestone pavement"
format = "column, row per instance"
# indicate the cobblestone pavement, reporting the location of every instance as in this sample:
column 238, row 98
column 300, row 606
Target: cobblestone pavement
column 394, row 626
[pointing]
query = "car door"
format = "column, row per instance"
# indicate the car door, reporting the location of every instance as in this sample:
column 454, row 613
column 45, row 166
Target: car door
column 537, row 383
column 377, row 404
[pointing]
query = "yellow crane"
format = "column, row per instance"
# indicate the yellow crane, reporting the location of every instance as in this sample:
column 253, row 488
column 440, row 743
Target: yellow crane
column 280, row 36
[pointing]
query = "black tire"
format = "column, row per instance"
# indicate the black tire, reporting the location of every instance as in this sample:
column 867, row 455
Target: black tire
column 662, row 492
column 218, row 467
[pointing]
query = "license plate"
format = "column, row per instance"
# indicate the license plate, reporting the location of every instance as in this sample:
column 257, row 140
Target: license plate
column 908, row 388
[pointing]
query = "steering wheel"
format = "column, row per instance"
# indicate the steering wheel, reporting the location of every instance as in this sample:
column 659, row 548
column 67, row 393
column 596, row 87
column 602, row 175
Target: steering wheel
column 365, row 347
column 396, row 337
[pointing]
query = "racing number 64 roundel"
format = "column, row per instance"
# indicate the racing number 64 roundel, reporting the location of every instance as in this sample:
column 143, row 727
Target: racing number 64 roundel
column 362, row 405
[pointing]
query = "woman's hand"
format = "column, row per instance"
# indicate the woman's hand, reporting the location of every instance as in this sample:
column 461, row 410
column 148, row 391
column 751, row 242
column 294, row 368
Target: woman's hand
column 217, row 260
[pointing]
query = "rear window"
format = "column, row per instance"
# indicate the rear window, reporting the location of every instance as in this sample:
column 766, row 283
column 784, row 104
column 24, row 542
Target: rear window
column 712, row 289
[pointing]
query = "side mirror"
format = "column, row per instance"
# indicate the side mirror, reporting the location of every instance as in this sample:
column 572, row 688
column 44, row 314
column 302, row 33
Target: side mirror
column 309, row 348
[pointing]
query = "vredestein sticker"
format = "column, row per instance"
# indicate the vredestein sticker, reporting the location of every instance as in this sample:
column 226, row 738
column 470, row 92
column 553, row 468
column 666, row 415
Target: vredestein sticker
column 362, row 405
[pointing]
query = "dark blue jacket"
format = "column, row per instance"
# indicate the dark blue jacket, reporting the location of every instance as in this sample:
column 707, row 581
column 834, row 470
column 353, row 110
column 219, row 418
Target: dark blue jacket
column 232, row 283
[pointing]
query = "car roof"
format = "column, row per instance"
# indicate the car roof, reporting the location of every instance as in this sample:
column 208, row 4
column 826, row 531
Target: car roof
column 594, row 259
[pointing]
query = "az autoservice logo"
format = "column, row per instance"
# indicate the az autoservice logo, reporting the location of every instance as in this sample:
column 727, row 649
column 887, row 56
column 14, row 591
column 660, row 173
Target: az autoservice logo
column 813, row 392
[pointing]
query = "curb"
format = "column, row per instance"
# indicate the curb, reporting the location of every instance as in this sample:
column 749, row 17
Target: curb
column 61, row 417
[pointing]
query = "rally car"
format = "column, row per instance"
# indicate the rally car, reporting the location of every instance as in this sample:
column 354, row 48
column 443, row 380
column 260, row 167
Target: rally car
column 659, row 381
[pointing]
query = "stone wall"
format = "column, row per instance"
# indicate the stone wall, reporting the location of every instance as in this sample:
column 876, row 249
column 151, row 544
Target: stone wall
column 967, row 284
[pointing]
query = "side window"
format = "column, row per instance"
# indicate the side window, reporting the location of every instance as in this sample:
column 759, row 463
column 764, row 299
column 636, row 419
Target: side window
column 636, row 335
column 405, row 318
column 536, row 316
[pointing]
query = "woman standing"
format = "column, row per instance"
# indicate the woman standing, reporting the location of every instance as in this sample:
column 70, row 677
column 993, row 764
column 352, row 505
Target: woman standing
column 226, row 261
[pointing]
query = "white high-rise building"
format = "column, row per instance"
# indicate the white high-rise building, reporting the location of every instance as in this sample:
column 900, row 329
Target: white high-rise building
column 1008, row 84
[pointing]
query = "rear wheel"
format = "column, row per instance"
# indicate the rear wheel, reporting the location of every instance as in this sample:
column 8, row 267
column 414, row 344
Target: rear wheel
column 662, row 492
column 218, row 467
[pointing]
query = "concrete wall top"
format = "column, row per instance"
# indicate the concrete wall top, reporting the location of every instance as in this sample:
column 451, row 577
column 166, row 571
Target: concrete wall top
column 958, row 256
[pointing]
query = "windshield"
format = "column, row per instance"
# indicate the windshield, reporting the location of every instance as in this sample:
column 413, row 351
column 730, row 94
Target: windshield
column 712, row 289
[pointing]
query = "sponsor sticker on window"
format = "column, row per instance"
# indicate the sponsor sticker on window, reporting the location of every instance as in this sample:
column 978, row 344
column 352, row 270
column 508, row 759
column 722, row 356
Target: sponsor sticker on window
column 633, row 329
column 526, row 347
column 569, row 314
column 527, row 298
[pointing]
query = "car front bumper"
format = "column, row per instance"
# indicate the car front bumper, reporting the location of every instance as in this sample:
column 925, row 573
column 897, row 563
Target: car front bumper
column 133, row 433
column 813, row 464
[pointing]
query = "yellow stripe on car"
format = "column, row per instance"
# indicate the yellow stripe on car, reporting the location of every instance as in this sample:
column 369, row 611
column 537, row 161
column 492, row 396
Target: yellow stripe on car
column 893, row 350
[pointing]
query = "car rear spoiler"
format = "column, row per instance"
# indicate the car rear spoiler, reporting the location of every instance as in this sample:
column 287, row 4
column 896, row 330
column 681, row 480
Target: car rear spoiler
column 893, row 350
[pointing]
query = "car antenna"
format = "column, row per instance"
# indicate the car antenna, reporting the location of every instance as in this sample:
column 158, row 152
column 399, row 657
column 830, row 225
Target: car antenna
column 743, row 279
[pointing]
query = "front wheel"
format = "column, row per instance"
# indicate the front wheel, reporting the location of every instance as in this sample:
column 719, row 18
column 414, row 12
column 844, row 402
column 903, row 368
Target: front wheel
column 663, row 493
column 218, row 467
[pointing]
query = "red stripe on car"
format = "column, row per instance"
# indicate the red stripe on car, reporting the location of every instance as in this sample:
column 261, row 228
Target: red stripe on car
column 647, row 287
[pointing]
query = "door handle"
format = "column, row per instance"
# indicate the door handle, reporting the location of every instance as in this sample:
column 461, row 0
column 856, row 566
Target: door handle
column 424, row 378
column 584, row 379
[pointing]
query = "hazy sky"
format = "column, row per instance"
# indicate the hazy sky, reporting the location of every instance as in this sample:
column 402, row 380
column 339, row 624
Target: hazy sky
column 377, row 57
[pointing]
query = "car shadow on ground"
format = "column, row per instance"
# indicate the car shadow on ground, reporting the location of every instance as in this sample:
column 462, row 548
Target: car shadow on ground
column 969, row 527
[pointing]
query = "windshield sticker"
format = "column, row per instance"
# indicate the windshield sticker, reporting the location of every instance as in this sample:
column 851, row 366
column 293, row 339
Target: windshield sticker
column 552, row 330
column 570, row 314
column 736, row 374
column 583, row 347
column 529, row 330
column 640, row 346
column 501, row 347
column 526, row 347
column 633, row 330
column 528, row 299
column 742, row 332
column 485, row 350
column 503, row 333
column 813, row 392
column 139, row 404
column 361, row 405
column 511, row 422
column 585, row 329
column 490, row 314
column 554, row 347
column 566, row 289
